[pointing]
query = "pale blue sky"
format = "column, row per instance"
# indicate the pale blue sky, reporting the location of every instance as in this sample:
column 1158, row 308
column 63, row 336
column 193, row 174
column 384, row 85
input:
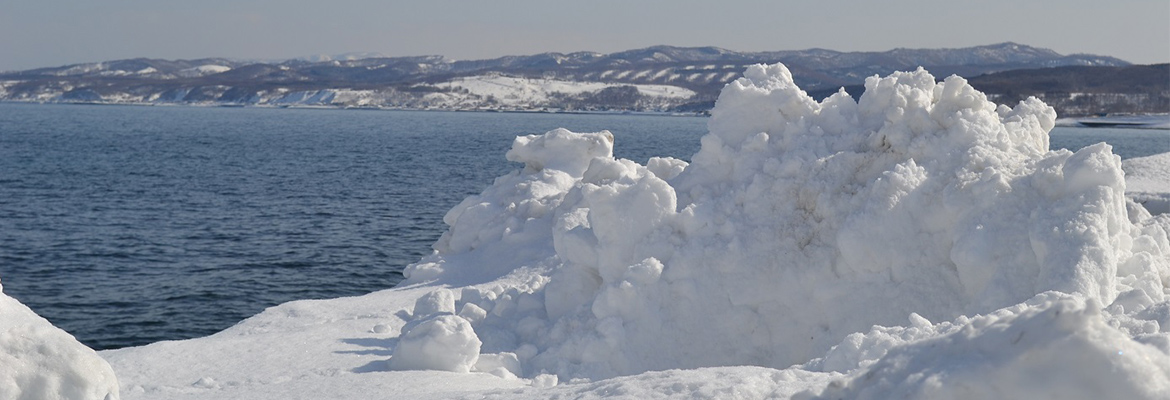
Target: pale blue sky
column 39, row 33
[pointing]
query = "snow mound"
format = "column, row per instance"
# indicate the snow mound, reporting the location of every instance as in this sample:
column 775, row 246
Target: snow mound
column 797, row 225
column 1057, row 349
column 41, row 361
column 442, row 342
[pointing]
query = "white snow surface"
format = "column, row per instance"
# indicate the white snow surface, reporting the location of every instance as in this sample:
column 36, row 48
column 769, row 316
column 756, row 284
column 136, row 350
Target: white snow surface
column 202, row 70
column 41, row 361
column 515, row 91
column 919, row 243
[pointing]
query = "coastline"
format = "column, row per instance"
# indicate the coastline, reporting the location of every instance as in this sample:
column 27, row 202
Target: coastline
column 1159, row 121
column 367, row 108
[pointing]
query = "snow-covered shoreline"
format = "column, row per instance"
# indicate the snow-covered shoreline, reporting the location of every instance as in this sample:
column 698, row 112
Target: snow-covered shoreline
column 372, row 108
column 919, row 243
column 1151, row 121
column 492, row 92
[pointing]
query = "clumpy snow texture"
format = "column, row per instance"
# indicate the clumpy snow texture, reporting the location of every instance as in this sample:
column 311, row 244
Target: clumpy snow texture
column 797, row 224
column 443, row 342
column 918, row 243
column 1068, row 351
column 41, row 361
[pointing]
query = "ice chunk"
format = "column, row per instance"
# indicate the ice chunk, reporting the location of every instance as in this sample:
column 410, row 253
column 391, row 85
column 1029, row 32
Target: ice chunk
column 561, row 150
column 438, row 301
column 443, row 342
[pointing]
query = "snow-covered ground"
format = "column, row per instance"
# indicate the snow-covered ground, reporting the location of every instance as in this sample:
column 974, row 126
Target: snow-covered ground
column 203, row 70
column 920, row 243
column 525, row 92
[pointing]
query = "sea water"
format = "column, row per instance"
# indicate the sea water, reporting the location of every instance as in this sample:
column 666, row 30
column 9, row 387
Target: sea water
column 130, row 225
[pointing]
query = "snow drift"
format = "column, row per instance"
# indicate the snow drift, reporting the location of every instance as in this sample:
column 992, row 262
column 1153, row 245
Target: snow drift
column 799, row 224
column 41, row 361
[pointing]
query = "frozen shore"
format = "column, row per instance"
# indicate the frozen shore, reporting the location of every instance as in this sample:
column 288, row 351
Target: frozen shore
column 918, row 243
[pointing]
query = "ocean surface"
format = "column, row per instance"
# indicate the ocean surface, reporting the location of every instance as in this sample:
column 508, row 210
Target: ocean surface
column 128, row 225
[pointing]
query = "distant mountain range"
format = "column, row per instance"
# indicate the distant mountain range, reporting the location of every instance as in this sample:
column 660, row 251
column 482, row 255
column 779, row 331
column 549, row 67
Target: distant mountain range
column 659, row 78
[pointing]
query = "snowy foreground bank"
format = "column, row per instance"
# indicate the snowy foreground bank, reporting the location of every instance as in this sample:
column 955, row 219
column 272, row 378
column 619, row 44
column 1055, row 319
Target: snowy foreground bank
column 920, row 243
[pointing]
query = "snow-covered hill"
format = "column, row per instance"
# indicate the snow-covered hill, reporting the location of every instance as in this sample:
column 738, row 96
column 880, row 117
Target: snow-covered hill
column 659, row 75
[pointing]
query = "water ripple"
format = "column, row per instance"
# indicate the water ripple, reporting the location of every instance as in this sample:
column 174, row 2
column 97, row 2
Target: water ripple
column 129, row 225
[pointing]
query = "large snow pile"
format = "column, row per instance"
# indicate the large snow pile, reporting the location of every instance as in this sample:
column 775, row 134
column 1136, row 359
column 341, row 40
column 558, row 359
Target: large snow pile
column 41, row 361
column 798, row 224
column 918, row 243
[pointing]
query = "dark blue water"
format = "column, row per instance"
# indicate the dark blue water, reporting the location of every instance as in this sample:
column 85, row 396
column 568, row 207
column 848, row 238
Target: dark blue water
column 1127, row 143
column 129, row 225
